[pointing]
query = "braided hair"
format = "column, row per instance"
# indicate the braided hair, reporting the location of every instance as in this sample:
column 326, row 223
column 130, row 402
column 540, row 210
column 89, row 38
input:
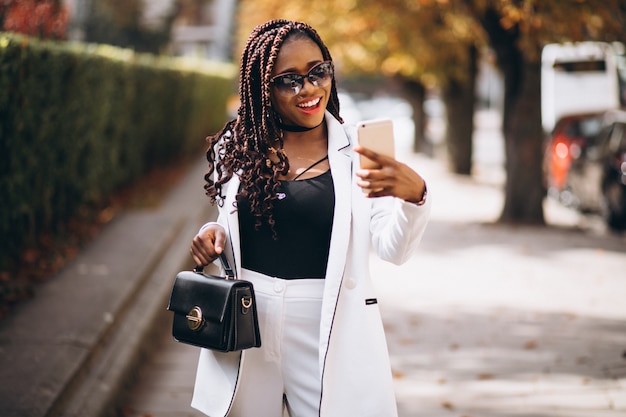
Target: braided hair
column 242, row 146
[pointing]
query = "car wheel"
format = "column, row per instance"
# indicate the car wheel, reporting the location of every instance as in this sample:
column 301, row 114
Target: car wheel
column 615, row 205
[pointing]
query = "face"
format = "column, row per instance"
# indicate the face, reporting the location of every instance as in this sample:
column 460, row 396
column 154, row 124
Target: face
column 306, row 106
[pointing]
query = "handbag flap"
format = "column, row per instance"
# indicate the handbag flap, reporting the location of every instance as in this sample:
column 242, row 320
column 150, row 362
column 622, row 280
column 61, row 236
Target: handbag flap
column 209, row 292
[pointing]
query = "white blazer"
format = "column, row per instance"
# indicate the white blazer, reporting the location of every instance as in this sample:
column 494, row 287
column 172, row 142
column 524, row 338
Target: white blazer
column 353, row 356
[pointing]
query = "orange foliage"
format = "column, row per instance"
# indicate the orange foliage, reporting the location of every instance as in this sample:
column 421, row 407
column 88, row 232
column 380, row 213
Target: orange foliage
column 428, row 39
column 42, row 18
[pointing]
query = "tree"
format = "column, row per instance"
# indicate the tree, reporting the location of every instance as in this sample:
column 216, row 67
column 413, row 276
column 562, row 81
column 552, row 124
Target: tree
column 517, row 30
column 459, row 95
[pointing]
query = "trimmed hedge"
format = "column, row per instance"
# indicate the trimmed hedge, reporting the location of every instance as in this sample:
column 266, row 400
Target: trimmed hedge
column 78, row 121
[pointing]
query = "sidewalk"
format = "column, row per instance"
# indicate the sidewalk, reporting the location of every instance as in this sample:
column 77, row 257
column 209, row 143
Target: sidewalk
column 74, row 348
column 495, row 321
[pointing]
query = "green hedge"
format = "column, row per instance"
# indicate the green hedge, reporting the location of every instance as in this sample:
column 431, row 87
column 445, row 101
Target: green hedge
column 78, row 121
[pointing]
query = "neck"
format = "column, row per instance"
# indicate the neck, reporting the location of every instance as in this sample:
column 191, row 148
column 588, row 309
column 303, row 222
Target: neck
column 292, row 128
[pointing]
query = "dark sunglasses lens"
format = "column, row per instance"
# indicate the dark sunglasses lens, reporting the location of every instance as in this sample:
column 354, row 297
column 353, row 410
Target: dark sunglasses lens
column 289, row 83
column 321, row 72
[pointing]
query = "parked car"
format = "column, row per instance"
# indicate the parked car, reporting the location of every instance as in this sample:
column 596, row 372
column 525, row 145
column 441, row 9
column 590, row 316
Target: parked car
column 613, row 161
column 568, row 142
column 586, row 165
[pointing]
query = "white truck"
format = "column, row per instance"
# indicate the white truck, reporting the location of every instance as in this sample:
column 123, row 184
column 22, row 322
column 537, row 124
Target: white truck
column 579, row 78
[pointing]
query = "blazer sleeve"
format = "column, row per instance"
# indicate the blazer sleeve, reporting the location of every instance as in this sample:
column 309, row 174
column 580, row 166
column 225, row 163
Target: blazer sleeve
column 397, row 227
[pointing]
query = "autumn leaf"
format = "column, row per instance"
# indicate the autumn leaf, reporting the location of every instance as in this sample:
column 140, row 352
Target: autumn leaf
column 529, row 345
column 447, row 405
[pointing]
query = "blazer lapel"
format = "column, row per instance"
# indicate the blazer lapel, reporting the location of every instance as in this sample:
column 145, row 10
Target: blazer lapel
column 232, row 221
column 339, row 156
column 340, row 160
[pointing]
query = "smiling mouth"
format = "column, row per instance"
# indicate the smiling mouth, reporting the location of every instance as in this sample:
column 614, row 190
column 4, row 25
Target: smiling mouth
column 310, row 104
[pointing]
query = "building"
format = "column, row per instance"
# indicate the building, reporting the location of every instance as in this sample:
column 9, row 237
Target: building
column 198, row 28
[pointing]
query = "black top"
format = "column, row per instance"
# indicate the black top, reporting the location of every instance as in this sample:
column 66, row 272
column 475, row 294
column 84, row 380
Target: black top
column 304, row 217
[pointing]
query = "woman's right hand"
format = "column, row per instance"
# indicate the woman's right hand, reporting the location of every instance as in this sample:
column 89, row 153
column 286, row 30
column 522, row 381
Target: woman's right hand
column 208, row 244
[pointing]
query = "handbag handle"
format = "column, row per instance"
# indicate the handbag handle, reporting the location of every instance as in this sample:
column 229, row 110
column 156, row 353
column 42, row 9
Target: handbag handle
column 230, row 274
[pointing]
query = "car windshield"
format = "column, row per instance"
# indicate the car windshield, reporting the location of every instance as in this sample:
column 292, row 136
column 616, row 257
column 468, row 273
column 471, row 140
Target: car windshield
column 585, row 128
column 590, row 127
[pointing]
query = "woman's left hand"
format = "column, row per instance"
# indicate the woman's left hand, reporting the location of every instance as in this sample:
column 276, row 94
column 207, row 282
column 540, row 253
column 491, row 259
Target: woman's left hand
column 392, row 178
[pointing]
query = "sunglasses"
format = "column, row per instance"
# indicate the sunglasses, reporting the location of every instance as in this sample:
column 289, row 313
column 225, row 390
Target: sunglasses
column 290, row 84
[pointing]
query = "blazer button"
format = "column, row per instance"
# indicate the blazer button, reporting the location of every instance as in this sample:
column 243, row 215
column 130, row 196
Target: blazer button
column 350, row 283
column 279, row 287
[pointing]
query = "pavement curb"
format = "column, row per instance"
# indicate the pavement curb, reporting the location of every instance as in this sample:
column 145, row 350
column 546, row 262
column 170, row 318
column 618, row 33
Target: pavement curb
column 116, row 363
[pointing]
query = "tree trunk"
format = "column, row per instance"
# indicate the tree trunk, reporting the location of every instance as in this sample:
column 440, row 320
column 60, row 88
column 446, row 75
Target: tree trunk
column 523, row 134
column 524, row 190
column 415, row 93
column 459, row 97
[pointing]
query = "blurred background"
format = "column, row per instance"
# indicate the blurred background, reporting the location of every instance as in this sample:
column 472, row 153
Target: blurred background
column 105, row 104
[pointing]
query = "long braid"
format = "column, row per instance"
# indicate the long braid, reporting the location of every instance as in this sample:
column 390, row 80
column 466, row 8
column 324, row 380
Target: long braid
column 242, row 145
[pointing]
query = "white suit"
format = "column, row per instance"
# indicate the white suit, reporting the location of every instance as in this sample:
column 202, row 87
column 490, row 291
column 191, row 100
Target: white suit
column 353, row 357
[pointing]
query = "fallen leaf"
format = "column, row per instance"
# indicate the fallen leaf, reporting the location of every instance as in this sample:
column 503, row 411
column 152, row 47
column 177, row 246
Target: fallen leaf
column 398, row 374
column 529, row 345
column 447, row 404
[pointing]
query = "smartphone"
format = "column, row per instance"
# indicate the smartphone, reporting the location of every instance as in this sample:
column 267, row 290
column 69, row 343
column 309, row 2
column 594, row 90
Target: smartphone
column 376, row 135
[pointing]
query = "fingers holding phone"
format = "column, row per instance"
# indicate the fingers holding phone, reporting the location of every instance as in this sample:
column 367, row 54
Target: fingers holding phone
column 381, row 174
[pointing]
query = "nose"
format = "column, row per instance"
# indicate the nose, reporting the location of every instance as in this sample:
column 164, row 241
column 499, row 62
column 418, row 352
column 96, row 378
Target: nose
column 306, row 83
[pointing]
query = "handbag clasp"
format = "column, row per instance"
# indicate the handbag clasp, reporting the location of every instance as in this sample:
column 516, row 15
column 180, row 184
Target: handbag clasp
column 194, row 318
column 246, row 303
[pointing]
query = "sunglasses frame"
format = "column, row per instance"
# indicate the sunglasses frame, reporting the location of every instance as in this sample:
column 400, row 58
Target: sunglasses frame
column 299, row 78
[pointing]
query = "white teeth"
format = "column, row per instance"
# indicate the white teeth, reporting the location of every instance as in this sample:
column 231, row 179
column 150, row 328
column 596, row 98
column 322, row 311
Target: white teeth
column 311, row 103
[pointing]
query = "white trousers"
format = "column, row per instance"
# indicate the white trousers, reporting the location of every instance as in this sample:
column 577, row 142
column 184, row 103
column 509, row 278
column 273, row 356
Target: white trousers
column 283, row 375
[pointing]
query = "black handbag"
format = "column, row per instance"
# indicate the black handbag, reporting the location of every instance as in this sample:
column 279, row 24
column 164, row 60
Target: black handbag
column 214, row 312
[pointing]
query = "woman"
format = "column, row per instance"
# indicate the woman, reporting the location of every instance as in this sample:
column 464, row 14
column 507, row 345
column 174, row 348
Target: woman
column 295, row 219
